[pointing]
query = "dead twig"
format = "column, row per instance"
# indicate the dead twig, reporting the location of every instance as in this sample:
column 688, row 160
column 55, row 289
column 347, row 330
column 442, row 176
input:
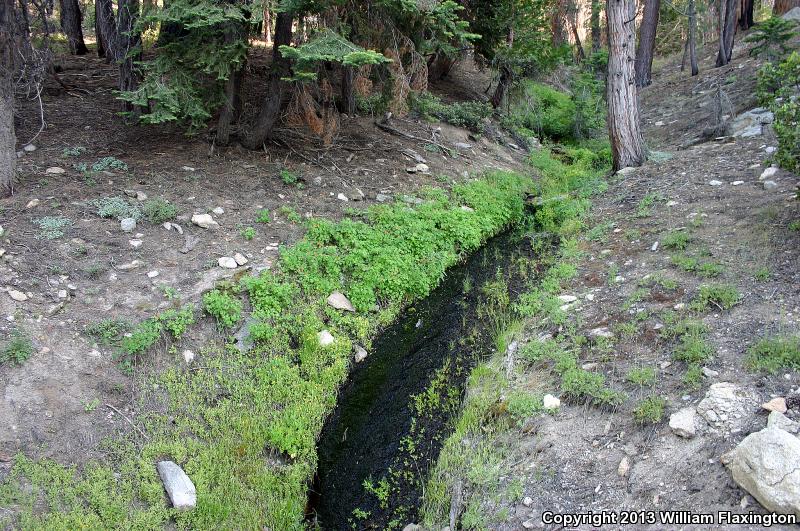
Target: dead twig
column 389, row 129
column 121, row 414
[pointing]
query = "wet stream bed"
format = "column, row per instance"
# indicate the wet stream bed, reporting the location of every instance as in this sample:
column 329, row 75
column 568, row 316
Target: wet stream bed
column 398, row 406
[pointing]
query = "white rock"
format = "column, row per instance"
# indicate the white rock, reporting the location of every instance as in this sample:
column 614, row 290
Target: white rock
column 30, row 148
column 551, row 402
column 737, row 183
column 240, row 259
column 130, row 265
column 342, row 197
column 62, row 294
column 188, row 356
column 778, row 420
column 602, row 331
column 624, row 467
column 654, row 247
column 626, row 171
column 127, row 224
column 33, row 203
column 187, row 168
column 17, row 295
column 709, row 373
column 715, row 182
column 2, row 231
column 204, row 221
column 527, row 501
column 141, row 196
column 682, row 422
column 340, row 302
column 227, row 262
column 361, row 354
column 770, row 150
column 382, row 198
column 767, row 173
column 179, row 487
column 218, row 211
column 770, row 185
column 767, row 465
column 135, row 243
column 567, row 298
column 55, row 170
column 325, row 338
column 152, row 274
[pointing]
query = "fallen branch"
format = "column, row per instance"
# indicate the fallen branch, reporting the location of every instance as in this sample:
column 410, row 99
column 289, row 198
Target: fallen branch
column 384, row 125
column 118, row 412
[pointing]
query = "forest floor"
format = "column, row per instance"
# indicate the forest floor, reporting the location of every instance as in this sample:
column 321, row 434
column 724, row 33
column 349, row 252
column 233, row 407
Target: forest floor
column 71, row 394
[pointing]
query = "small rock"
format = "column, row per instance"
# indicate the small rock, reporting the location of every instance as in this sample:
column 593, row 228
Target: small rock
column 567, row 298
column 227, row 262
column 715, row 182
column 179, row 487
column 527, row 501
column 659, row 123
column 419, row 168
column 709, row 373
column 770, row 150
column 127, row 224
column 204, row 221
column 152, row 274
column 682, row 422
column 466, row 208
column 462, row 145
column 33, row 203
column 672, row 203
column 55, row 170
column 218, row 211
column 737, row 183
column 341, row 197
column 340, row 302
column 412, row 527
column 361, row 354
column 2, row 231
column 17, row 295
column 624, row 467
column 354, row 194
column 776, row 404
column 325, row 338
column 654, row 247
column 30, row 148
column 382, row 198
column 602, row 331
column 240, row 259
column 189, row 244
column 626, row 171
column 188, row 356
column 770, row 185
column 187, row 168
column 767, row 173
column 62, row 294
column 130, row 265
column 141, row 196
column 551, row 402
column 135, row 243
column 778, row 420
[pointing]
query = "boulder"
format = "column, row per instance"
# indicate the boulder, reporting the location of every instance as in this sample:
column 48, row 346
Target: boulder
column 792, row 14
column 204, row 221
column 127, row 224
column 240, row 259
column 682, row 423
column 325, row 338
column 340, row 302
column 179, row 487
column 227, row 262
column 778, row 420
column 725, row 405
column 776, row 404
column 551, row 402
column 361, row 354
column 17, row 295
column 767, row 465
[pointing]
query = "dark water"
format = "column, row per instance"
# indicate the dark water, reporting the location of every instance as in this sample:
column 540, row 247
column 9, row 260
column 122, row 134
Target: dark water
column 362, row 438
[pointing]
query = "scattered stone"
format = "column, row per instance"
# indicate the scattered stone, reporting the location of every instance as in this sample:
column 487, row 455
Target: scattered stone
column 682, row 422
column 749, row 124
column 772, row 171
column 361, row 354
column 551, row 402
column 413, row 155
column 770, row 150
column 141, row 196
column 776, row 404
column 715, row 182
column 152, row 274
column 227, row 262
column 188, row 356
column 169, row 226
column 419, row 168
column 189, row 244
column 29, row 148
column 792, row 14
column 410, row 199
column 725, row 405
column 382, row 198
column 179, row 487
column 340, row 302
column 354, row 194
column 466, row 208
column 135, row 243
column 778, row 420
column 672, row 203
column 55, row 170
column 659, row 123
column 2, row 231
column 624, row 467
column 33, row 203
column 589, row 297
column 218, row 211
column 240, row 259
column 341, row 197
column 567, row 298
column 527, row 501
column 412, row 527
column 204, row 221
column 767, row 465
column 325, row 338
column 130, row 265
column 737, row 183
column 127, row 224
column 627, row 171
column 187, row 168
column 17, row 295
column 602, row 331
column 709, row 373
column 770, row 185
column 654, row 247
column 62, row 294
column 462, row 146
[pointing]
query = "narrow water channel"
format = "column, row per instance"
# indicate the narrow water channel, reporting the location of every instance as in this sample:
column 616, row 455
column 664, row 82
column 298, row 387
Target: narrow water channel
column 371, row 429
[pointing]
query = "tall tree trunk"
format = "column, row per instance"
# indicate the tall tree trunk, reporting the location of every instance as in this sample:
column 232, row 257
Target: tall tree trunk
column 71, row 24
column 277, row 89
column 574, row 25
column 647, row 43
column 233, row 88
column 348, row 104
column 692, row 38
column 102, row 11
column 782, row 6
column 8, row 140
column 557, row 19
column 506, row 75
column 128, row 47
column 595, row 23
column 627, row 144
column 727, row 28
column 746, row 14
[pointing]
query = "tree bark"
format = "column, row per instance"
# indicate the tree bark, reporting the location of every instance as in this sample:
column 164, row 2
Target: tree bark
column 233, row 89
column 746, row 14
column 574, row 26
column 692, row 39
column 502, row 87
column 595, row 23
column 782, row 6
column 557, row 22
column 348, row 103
column 102, row 12
column 647, row 43
column 128, row 47
column 627, row 144
column 277, row 89
column 8, row 140
column 727, row 28
column 71, row 24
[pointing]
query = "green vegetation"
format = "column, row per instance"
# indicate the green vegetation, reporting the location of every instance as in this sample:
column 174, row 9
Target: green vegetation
column 108, row 331
column 248, row 233
column 646, row 203
column 74, row 151
column 263, row 216
column 116, row 207
column 224, row 307
column 643, row 376
column 17, row 350
column 650, row 410
column 771, row 354
column 288, row 177
column 762, row 274
column 158, row 211
column 290, row 214
column 677, row 239
column 723, row 296
column 469, row 114
column 693, row 377
column 51, row 227
column 777, row 84
column 772, row 37
column 109, row 163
